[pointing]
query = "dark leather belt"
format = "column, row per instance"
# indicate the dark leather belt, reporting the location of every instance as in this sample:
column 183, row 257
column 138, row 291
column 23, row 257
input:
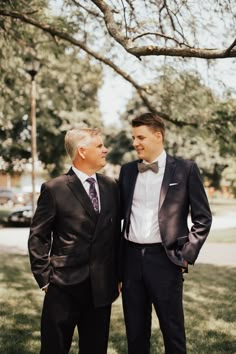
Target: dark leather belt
column 157, row 245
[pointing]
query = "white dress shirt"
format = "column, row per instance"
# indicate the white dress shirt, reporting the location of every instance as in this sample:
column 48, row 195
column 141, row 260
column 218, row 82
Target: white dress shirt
column 144, row 225
column 82, row 176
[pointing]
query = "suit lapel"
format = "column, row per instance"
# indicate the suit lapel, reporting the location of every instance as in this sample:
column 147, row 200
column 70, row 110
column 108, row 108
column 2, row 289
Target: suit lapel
column 105, row 197
column 169, row 170
column 103, row 193
column 132, row 177
column 80, row 193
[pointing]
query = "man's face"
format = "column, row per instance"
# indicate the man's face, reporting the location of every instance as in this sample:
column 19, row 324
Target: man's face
column 147, row 143
column 95, row 153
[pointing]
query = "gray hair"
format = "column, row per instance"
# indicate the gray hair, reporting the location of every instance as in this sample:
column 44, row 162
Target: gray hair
column 76, row 138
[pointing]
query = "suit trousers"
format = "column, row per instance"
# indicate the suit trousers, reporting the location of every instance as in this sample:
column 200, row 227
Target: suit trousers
column 150, row 278
column 68, row 307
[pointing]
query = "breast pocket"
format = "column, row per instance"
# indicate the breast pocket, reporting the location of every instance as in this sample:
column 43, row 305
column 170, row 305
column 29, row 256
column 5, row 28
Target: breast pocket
column 175, row 186
column 176, row 193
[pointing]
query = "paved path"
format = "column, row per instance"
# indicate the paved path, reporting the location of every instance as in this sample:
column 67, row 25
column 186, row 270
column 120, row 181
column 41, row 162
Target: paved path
column 218, row 253
column 14, row 240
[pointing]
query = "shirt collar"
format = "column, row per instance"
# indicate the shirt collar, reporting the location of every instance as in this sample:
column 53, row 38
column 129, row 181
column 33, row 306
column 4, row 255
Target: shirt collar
column 81, row 175
column 161, row 159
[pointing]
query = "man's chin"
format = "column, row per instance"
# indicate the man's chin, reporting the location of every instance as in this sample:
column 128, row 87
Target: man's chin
column 140, row 155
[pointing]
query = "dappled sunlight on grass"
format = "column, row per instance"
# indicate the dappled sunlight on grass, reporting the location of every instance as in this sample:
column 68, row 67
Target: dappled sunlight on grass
column 117, row 342
column 208, row 300
column 220, row 326
column 210, row 309
column 20, row 307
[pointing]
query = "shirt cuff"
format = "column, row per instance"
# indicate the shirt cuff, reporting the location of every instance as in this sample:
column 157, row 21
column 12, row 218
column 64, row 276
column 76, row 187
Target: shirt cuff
column 45, row 286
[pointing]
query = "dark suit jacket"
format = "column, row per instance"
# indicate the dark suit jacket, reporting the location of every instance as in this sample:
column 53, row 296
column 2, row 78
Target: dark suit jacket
column 181, row 191
column 69, row 242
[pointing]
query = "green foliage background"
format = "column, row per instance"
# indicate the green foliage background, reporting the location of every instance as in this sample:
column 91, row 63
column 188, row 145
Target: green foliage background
column 66, row 84
column 202, row 125
column 208, row 135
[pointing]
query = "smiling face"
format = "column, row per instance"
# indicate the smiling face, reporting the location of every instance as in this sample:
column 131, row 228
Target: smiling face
column 147, row 142
column 87, row 150
column 93, row 155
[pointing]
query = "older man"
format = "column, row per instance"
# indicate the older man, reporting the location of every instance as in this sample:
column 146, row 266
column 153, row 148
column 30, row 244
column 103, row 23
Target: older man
column 73, row 246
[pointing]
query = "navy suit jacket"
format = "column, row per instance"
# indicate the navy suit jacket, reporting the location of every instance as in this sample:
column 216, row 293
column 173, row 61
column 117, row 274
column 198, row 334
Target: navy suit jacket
column 182, row 193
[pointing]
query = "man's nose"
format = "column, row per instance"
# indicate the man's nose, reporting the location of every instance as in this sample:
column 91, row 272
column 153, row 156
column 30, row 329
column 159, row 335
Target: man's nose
column 135, row 142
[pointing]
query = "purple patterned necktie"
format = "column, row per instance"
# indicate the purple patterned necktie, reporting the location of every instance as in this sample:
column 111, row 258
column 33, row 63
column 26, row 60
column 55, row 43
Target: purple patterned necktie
column 93, row 194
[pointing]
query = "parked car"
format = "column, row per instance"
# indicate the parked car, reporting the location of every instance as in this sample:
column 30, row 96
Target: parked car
column 20, row 217
column 7, row 196
column 22, row 198
column 14, row 196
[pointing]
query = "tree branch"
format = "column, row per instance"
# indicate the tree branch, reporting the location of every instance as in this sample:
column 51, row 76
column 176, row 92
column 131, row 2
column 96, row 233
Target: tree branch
column 113, row 29
column 160, row 35
column 182, row 52
column 65, row 36
column 165, row 116
column 90, row 12
column 126, row 26
column 149, row 50
column 231, row 47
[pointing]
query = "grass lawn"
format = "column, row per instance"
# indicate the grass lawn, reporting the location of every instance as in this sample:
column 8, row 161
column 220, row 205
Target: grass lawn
column 209, row 299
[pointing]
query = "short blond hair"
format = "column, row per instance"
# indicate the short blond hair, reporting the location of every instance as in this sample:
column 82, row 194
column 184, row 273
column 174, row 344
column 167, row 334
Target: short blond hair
column 76, row 138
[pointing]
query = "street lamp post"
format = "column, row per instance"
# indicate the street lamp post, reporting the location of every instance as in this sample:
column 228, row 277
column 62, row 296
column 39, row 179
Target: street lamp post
column 32, row 70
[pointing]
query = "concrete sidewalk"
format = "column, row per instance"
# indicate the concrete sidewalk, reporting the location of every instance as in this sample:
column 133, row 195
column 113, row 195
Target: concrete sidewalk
column 222, row 254
column 14, row 240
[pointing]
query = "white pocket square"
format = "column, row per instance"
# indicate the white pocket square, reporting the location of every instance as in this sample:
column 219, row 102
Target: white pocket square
column 173, row 184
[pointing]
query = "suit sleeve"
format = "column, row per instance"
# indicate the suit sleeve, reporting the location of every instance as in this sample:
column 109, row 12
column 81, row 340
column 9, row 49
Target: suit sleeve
column 40, row 238
column 122, row 202
column 200, row 216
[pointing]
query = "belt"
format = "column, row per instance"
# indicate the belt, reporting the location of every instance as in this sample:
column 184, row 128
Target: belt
column 157, row 245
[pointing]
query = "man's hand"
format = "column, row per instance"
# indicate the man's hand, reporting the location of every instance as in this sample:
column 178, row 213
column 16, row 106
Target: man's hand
column 119, row 287
column 186, row 266
column 45, row 288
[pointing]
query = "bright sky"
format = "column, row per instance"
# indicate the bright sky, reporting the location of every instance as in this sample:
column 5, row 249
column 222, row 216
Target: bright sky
column 113, row 97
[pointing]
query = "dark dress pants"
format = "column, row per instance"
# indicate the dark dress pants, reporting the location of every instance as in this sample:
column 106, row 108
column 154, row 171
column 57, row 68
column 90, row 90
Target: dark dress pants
column 68, row 307
column 151, row 278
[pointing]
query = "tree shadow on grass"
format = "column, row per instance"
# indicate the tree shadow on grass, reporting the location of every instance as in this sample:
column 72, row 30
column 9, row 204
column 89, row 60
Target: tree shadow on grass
column 208, row 300
column 20, row 306
column 210, row 311
column 210, row 314
column 117, row 338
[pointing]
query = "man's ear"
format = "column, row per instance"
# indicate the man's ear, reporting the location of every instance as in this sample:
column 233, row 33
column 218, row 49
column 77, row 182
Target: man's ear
column 81, row 152
column 158, row 136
